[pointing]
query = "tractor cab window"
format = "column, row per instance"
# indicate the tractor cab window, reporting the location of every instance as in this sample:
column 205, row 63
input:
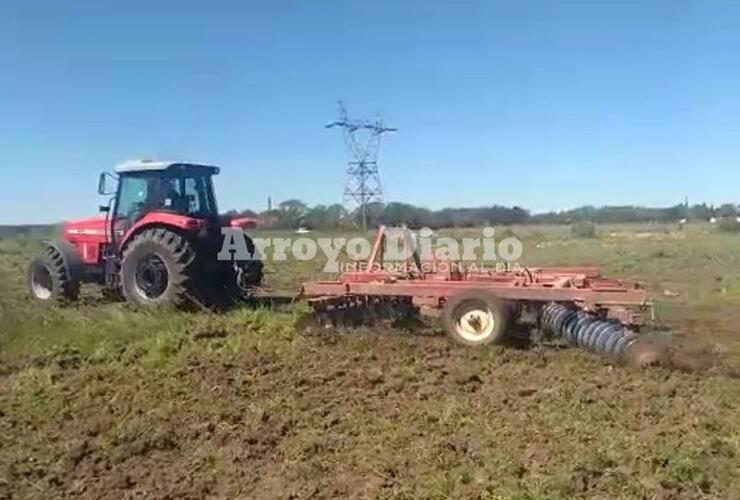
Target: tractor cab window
column 198, row 192
column 132, row 195
column 183, row 195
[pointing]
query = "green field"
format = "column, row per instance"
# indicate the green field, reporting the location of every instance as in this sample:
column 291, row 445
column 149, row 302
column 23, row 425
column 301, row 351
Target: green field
column 100, row 401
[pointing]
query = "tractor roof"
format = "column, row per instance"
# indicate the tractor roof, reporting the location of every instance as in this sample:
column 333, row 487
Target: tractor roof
column 158, row 166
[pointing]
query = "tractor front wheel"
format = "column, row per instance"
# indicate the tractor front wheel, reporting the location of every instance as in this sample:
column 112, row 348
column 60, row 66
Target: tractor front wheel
column 50, row 279
column 156, row 270
column 475, row 318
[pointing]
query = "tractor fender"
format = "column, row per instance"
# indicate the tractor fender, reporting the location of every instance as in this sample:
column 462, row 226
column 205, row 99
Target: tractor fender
column 138, row 229
column 72, row 259
column 172, row 222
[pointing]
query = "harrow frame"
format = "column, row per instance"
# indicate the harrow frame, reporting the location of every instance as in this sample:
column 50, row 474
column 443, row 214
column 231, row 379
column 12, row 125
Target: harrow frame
column 580, row 287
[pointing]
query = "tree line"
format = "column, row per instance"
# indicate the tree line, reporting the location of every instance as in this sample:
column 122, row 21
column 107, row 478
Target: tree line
column 292, row 214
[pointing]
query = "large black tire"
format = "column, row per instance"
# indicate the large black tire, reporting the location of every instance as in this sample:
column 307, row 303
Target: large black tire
column 50, row 279
column 475, row 318
column 248, row 275
column 238, row 280
column 157, row 270
column 233, row 283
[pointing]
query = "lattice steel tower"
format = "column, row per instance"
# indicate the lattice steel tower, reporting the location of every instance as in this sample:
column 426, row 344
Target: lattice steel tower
column 362, row 139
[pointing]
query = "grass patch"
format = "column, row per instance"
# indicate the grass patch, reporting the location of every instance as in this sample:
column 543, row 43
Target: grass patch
column 584, row 229
column 729, row 226
column 679, row 466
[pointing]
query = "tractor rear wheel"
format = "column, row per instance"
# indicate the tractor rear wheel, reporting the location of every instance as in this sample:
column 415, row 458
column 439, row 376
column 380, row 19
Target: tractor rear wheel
column 157, row 270
column 475, row 318
column 50, row 279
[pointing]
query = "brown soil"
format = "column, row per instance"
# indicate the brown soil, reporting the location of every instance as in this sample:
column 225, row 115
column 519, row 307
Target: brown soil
column 364, row 416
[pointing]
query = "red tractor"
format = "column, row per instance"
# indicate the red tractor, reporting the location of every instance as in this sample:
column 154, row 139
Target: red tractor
column 156, row 243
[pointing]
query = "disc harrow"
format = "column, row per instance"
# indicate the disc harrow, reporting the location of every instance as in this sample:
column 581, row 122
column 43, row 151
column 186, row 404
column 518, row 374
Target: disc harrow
column 356, row 311
column 582, row 329
column 477, row 307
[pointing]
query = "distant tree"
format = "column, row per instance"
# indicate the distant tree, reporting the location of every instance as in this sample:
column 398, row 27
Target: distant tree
column 396, row 213
column 294, row 213
column 727, row 210
column 323, row 217
column 700, row 212
column 293, row 205
column 291, row 213
column 248, row 213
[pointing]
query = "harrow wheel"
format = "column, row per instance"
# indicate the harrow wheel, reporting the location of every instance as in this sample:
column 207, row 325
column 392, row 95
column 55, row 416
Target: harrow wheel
column 475, row 318
column 156, row 270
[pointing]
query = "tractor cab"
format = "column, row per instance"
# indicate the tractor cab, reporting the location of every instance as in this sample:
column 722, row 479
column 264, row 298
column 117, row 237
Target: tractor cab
column 180, row 193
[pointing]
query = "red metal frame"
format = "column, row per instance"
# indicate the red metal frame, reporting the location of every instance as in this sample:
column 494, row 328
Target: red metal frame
column 161, row 218
column 89, row 234
column 582, row 286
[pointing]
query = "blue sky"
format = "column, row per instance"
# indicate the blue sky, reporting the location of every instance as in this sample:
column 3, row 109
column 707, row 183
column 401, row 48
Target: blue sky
column 542, row 104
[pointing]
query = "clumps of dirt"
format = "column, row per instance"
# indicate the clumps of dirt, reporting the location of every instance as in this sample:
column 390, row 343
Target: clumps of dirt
column 61, row 358
column 679, row 353
column 694, row 355
column 362, row 415
column 141, row 445
column 649, row 351
column 210, row 329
